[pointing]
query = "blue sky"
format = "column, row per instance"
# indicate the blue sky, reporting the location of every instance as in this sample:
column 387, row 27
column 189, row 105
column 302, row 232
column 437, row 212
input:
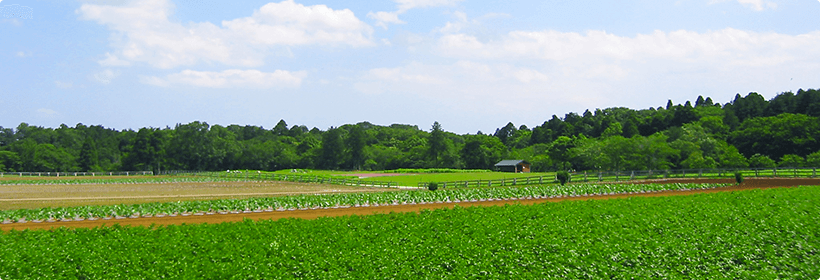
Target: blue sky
column 470, row 65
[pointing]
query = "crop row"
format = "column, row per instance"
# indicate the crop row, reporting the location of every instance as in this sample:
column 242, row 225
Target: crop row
column 304, row 202
column 137, row 180
column 756, row 234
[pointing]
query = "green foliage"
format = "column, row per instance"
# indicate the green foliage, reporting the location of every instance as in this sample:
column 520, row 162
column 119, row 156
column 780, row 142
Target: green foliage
column 603, row 139
column 282, row 203
column 792, row 161
column 813, row 159
column 710, row 236
column 761, row 161
column 432, row 186
column 563, row 177
column 738, row 177
column 778, row 135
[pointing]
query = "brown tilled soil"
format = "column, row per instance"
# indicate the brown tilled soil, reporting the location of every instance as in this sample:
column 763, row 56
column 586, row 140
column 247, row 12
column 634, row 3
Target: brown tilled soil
column 312, row 214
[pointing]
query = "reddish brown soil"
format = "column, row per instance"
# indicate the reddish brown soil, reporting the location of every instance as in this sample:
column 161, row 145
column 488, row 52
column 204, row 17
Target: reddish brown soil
column 312, row 214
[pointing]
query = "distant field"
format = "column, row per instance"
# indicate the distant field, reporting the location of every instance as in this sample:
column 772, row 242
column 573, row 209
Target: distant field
column 402, row 179
column 414, row 179
column 145, row 190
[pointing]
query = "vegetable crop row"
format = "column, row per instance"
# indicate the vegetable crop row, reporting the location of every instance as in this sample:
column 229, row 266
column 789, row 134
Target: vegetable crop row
column 144, row 180
column 304, row 202
column 755, row 234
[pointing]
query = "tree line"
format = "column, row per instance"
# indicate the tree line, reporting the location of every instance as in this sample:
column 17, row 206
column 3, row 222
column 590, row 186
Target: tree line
column 748, row 131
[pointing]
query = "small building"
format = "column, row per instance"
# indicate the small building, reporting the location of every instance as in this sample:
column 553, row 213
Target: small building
column 513, row 165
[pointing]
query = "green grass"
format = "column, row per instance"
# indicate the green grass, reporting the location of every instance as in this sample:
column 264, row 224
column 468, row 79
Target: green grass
column 414, row 179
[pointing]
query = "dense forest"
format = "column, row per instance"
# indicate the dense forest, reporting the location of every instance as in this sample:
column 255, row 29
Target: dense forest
column 745, row 132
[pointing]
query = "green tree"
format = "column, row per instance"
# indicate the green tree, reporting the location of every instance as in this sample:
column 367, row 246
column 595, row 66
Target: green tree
column 813, row 159
column 733, row 159
column 332, row 154
column 792, row 161
column 481, row 151
column 761, row 161
column 696, row 160
column 356, row 142
column 9, row 161
column 437, row 144
column 777, row 136
column 89, row 158
column 281, row 128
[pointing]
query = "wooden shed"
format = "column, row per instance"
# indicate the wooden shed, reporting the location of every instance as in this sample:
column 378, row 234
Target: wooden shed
column 513, row 165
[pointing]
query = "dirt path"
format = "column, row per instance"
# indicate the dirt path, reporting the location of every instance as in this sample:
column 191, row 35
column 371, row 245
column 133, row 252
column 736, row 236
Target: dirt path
column 313, row 214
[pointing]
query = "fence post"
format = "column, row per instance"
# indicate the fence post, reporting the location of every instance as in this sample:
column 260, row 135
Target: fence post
column 774, row 171
column 632, row 175
column 585, row 177
column 813, row 172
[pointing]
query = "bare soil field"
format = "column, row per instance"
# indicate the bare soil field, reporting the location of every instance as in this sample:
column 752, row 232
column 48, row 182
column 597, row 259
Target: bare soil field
column 39, row 196
column 313, row 214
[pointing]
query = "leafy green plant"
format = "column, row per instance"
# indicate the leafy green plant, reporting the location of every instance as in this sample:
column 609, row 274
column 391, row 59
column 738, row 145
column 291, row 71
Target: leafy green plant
column 738, row 177
column 432, row 186
column 563, row 177
column 678, row 237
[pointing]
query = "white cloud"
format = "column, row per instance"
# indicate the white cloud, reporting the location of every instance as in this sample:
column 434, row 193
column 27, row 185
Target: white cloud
column 385, row 18
column 144, row 33
column 527, row 73
column 405, row 5
column 233, row 78
column 46, row 112
column 455, row 26
column 113, row 60
column 60, row 84
column 728, row 45
column 23, row 54
column 105, row 77
column 757, row 5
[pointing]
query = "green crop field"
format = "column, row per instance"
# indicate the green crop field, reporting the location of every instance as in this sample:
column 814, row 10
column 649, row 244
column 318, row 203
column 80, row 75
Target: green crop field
column 412, row 177
column 755, row 234
column 332, row 200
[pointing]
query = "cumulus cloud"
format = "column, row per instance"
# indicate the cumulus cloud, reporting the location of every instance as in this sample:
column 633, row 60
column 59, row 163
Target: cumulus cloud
column 757, row 5
column 230, row 78
column 729, row 45
column 385, row 18
column 61, row 84
column 46, row 112
column 113, row 60
column 405, row 5
column 529, row 72
column 105, row 77
column 143, row 33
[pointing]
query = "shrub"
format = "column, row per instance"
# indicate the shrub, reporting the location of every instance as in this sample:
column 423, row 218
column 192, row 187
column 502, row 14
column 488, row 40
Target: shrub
column 738, row 177
column 563, row 177
column 432, row 186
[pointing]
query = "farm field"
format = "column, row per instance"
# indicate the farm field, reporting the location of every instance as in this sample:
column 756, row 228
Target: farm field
column 409, row 177
column 749, row 234
column 347, row 203
column 38, row 192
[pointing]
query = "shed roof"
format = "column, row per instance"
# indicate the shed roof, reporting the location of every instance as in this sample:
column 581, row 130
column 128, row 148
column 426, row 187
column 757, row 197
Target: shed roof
column 511, row 162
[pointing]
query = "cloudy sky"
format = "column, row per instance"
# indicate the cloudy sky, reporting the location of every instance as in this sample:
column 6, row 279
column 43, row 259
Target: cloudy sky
column 471, row 65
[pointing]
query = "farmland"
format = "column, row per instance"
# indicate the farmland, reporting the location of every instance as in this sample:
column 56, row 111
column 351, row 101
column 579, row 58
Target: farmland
column 768, row 234
column 279, row 229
